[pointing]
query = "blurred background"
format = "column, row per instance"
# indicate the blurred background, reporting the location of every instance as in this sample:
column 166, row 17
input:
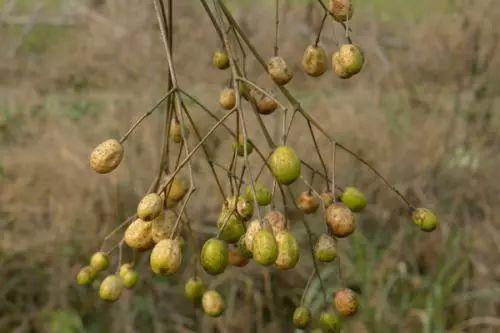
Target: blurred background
column 425, row 111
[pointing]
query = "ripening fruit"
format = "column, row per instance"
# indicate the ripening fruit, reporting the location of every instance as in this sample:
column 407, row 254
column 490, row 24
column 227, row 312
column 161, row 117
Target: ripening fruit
column 354, row 199
column 285, row 165
column 329, row 322
column 236, row 258
column 214, row 256
column 242, row 248
column 138, row 235
column 346, row 302
column 150, row 207
column 212, row 303
column 288, row 250
column 301, row 317
column 106, row 156
column 129, row 277
column 124, row 268
column 266, row 105
column 99, row 261
column 244, row 207
column 231, row 226
column 340, row 219
column 85, row 276
column 252, row 229
column 279, row 71
column 264, row 248
column 314, row 60
column 338, row 68
column 325, row 249
column 175, row 132
column 162, row 226
column 239, row 146
column 263, row 194
column 220, row 59
column 341, row 10
column 227, row 98
column 177, row 189
column 166, row 257
column 111, row 288
column 425, row 219
column 194, row 289
column 327, row 198
column 307, row 203
column 276, row 221
column 348, row 61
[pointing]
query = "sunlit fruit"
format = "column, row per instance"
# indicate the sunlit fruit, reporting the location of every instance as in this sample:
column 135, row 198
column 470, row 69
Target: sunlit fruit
column 212, row 303
column 166, row 257
column 307, row 202
column 264, row 248
column 111, row 288
column 150, row 207
column 288, row 250
column 106, row 156
column 314, row 61
column 239, row 146
column 220, row 60
column 263, row 194
column 85, row 276
column 285, row 165
column 425, row 219
column 214, row 256
column 276, row 220
column 138, row 235
column 354, row 199
column 340, row 219
column 325, row 249
column 194, row 289
column 227, row 98
column 346, row 302
column 99, row 261
column 341, row 10
column 279, row 71
column 301, row 317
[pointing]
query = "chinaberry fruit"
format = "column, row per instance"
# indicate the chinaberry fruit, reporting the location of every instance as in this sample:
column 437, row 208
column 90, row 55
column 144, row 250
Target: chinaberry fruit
column 325, row 249
column 162, row 226
column 285, row 165
column 85, row 276
column 227, row 98
column 111, row 288
column 150, row 207
column 301, row 317
column 340, row 219
column 327, row 198
column 266, row 105
column 230, row 225
column 348, row 61
column 106, row 156
column 252, row 229
column 129, row 276
column 166, row 257
column 194, row 289
column 239, row 146
column 264, row 247
column 307, row 202
column 279, row 71
column 314, row 60
column 276, row 220
column 176, row 190
column 214, row 256
column 341, row 10
column 236, row 258
column 99, row 261
column 244, row 207
column 354, row 199
column 346, row 302
column 138, row 235
column 288, row 250
column 176, row 130
column 220, row 59
column 425, row 219
column 212, row 303
column 329, row 322
column 242, row 248
column 263, row 194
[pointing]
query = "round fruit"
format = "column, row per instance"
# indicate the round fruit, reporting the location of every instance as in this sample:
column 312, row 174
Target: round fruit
column 329, row 322
column 129, row 278
column 244, row 207
column 266, row 105
column 341, row 10
column 327, row 198
column 242, row 248
column 106, row 156
column 194, row 289
column 307, row 203
column 354, row 199
column 264, row 248
column 425, row 219
column 176, row 131
column 166, row 257
column 150, row 207
column 276, row 221
column 325, row 249
column 214, row 256
column 111, row 288
column 236, row 258
column 227, row 99
column 340, row 219
column 263, row 194
column 285, row 165
column 279, row 71
column 338, row 68
column 350, row 59
column 346, row 302
column 239, row 146
column 288, row 250
column 231, row 226
column 85, row 276
column 124, row 268
column 220, row 59
column 301, row 317
column 212, row 303
column 99, row 261
column 314, row 60
column 162, row 226
column 138, row 235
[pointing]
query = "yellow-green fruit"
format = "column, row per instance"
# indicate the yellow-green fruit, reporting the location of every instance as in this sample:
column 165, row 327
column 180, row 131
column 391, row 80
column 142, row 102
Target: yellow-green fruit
column 175, row 132
column 285, row 165
column 327, row 198
column 252, row 229
column 307, row 203
column 177, row 189
column 314, row 60
column 242, row 248
column 231, row 226
column 350, row 58
column 106, row 156
column 236, row 258
column 325, row 249
column 264, row 248
column 301, row 317
column 244, row 207
column 111, row 288
column 279, row 71
column 227, row 98
column 341, row 10
column 129, row 277
column 288, row 250
column 214, row 256
column 166, row 257
column 266, row 105
column 276, row 221
column 124, row 268
column 354, row 199
column 162, row 226
column 338, row 68
column 138, row 235
column 329, row 322
column 239, row 146
column 425, row 219
column 340, row 220
column 212, row 303
column 85, row 276
column 263, row 195
column 346, row 302
column 194, row 289
column 220, row 60
column 99, row 261
column 150, row 207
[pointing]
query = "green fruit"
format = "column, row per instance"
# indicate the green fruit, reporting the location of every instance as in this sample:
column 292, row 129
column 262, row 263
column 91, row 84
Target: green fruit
column 325, row 249
column 129, row 277
column 244, row 207
column 425, row 219
column 341, row 10
column 150, row 207
column 111, row 288
column 106, row 156
column 99, row 261
column 327, row 198
column 166, row 257
column 354, row 199
column 194, row 289
column 279, row 71
column 276, row 221
column 124, row 268
column 314, row 60
column 307, row 203
column 288, row 250
column 301, row 317
column 351, row 59
column 264, row 248
column 85, row 276
column 252, row 229
column 346, row 302
column 242, row 247
column 340, row 219
column 220, row 60
column 138, row 235
column 239, row 146
column 214, row 256
column 231, row 226
column 212, row 303
column 285, row 165
column 329, row 322
column 263, row 194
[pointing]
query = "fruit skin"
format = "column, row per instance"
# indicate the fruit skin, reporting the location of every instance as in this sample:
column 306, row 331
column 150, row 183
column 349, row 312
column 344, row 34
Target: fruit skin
column 177, row 189
column 236, row 258
column 341, row 10
column 279, row 71
column 138, row 235
column 314, row 60
column 285, row 165
column 252, row 229
column 194, row 289
column 166, row 257
column 264, row 248
column 340, row 219
column 162, row 226
column 239, row 146
column 124, row 268
column 425, row 219
column 301, row 317
column 329, row 322
column 85, row 276
column 263, row 194
column 111, row 288
column 288, row 250
column 244, row 207
column 220, row 60
column 325, row 249
column 276, row 221
column 346, row 302
column 129, row 277
column 266, row 105
column 231, row 226
column 212, row 303
column 175, row 132
column 150, row 207
column 327, row 198
column 242, row 248
column 307, row 203
column 99, row 261
column 348, row 61
column 106, row 156
column 214, row 256
column 338, row 68
column 227, row 98
column 354, row 199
